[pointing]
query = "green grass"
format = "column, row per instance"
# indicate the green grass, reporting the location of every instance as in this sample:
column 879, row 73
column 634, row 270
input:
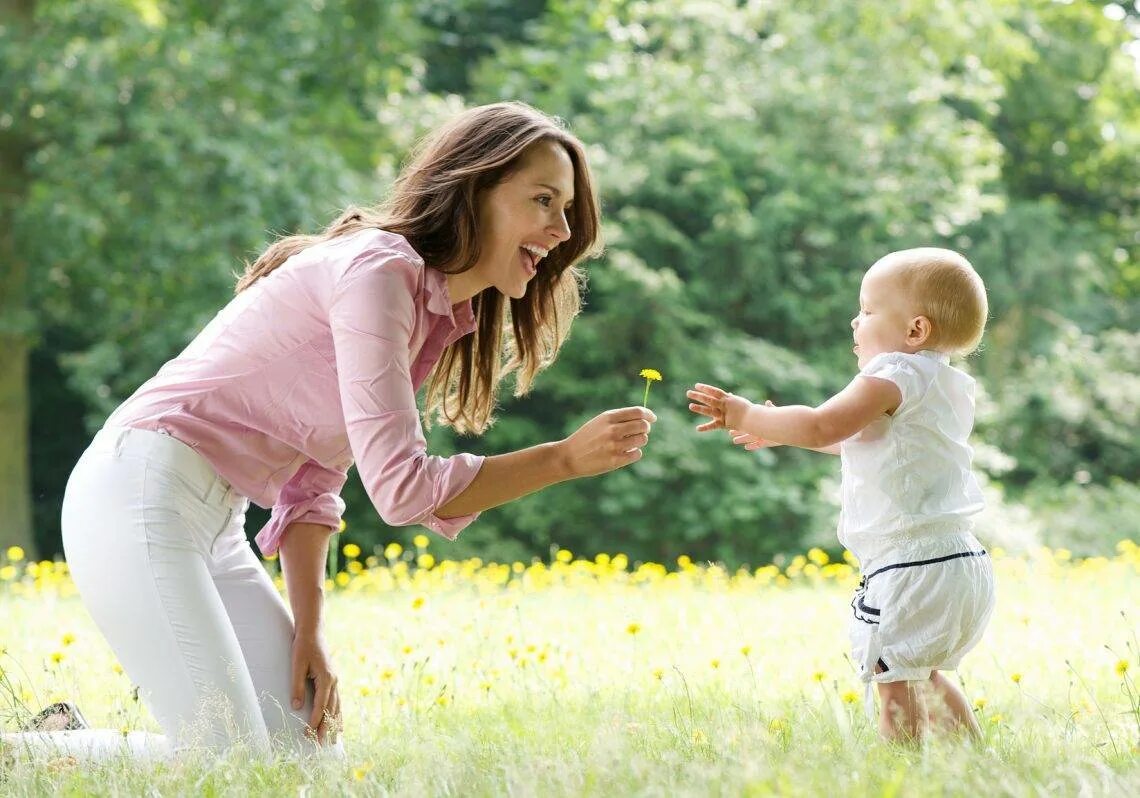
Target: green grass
column 698, row 687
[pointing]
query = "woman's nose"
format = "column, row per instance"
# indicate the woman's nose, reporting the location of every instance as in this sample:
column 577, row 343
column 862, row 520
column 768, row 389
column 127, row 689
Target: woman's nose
column 561, row 228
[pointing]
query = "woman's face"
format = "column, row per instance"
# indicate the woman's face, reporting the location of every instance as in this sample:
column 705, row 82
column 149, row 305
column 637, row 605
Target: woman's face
column 523, row 218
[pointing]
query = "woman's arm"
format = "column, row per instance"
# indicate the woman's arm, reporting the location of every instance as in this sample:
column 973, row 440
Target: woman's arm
column 304, row 552
column 608, row 441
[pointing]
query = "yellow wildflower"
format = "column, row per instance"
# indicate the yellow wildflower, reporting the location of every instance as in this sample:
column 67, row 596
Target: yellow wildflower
column 15, row 553
column 420, row 541
column 393, row 550
column 651, row 376
column 351, row 550
column 1121, row 668
column 633, row 628
column 850, row 697
column 1016, row 677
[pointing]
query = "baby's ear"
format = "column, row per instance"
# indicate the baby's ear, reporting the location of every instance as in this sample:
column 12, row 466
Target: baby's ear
column 920, row 331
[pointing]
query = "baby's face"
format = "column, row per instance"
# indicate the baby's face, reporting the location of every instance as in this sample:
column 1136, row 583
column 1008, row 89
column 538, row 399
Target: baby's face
column 885, row 314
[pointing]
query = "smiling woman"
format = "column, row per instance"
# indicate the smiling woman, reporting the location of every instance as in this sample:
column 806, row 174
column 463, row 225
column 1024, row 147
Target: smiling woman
column 313, row 366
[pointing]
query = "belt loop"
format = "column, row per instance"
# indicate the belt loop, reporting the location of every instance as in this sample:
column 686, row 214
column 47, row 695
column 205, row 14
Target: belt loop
column 120, row 439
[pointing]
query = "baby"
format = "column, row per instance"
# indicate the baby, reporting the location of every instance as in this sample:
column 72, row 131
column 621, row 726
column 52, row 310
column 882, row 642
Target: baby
column 901, row 428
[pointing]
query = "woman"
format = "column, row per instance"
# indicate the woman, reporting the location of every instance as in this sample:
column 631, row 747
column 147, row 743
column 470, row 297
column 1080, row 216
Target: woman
column 315, row 364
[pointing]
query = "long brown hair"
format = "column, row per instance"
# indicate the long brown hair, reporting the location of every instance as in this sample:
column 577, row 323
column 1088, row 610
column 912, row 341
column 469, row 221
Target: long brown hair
column 434, row 204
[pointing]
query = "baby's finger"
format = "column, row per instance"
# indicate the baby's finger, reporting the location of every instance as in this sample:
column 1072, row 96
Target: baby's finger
column 719, row 393
column 704, row 410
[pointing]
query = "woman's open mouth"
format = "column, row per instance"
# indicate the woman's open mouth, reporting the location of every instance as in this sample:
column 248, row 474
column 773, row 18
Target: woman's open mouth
column 530, row 255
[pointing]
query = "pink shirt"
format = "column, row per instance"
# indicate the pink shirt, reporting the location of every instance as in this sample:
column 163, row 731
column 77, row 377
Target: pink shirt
column 313, row 366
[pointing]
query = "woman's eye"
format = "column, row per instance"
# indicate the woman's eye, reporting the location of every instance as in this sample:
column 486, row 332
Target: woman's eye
column 545, row 200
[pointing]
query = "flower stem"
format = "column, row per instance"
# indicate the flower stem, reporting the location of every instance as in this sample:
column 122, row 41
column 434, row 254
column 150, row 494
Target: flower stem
column 645, row 401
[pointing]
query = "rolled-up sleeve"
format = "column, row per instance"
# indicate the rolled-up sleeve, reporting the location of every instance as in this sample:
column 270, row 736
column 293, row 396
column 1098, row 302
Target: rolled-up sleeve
column 372, row 315
column 312, row 496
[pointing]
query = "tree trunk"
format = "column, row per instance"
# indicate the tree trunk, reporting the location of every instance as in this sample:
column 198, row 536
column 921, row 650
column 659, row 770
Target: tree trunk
column 16, row 322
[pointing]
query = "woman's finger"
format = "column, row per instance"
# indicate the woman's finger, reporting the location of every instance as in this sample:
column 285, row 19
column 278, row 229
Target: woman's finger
column 320, row 701
column 297, row 689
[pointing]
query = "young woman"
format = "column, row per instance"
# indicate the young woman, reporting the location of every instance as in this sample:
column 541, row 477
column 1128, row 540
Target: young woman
column 315, row 365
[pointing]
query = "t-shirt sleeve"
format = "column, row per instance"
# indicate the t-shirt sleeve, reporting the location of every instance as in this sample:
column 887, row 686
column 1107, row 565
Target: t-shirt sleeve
column 897, row 367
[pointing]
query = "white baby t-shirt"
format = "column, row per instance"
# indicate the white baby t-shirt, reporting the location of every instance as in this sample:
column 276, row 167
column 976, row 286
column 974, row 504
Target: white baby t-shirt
column 908, row 475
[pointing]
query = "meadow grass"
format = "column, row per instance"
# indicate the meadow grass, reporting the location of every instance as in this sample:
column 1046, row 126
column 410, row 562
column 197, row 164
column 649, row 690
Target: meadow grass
column 591, row 678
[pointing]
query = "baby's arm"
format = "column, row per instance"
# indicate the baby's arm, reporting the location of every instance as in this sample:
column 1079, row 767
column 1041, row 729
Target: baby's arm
column 751, row 442
column 834, row 421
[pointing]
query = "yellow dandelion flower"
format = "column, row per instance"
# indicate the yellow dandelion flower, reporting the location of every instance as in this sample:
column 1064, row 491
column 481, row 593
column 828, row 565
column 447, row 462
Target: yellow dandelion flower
column 425, row 561
column 979, row 704
column 360, row 773
column 407, row 650
column 67, row 639
column 387, row 674
column 443, row 700
column 1121, row 668
column 417, row 602
column 699, row 738
column 420, row 541
column 1016, row 677
column 849, row 697
column 651, row 376
column 715, row 663
column 342, row 526
column 351, row 550
column 15, row 553
column 564, row 555
column 818, row 676
column 393, row 550
column 996, row 719
column 746, row 650
column 633, row 628
column 658, row 673
column 57, row 657
column 8, row 573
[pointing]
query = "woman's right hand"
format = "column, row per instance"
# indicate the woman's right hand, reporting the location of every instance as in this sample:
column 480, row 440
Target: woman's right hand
column 608, row 441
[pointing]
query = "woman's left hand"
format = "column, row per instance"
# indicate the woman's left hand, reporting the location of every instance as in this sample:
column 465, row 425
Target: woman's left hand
column 311, row 661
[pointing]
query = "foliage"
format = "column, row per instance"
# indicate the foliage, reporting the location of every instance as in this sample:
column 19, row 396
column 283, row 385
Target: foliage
column 754, row 158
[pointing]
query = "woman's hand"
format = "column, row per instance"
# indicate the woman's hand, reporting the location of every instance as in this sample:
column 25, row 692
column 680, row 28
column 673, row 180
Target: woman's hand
column 608, row 441
column 311, row 661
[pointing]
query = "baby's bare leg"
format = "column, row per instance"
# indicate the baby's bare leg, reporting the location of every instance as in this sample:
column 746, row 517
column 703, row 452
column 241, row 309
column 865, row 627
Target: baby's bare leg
column 903, row 714
column 953, row 708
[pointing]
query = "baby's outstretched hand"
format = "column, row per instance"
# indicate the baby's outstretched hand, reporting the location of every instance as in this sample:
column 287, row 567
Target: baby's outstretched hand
column 723, row 408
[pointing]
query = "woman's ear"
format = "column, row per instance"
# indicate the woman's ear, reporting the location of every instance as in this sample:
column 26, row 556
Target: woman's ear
column 920, row 331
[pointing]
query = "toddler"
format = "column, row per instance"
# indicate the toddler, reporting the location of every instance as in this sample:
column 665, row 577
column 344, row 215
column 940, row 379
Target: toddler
column 901, row 429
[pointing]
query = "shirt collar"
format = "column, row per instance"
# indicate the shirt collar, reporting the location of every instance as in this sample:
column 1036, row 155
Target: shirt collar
column 941, row 357
column 439, row 301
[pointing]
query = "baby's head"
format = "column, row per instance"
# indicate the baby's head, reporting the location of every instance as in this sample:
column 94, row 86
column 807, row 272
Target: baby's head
column 925, row 298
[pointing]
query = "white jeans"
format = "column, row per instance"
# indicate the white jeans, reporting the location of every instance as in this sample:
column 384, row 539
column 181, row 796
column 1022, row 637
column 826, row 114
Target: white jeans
column 155, row 542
